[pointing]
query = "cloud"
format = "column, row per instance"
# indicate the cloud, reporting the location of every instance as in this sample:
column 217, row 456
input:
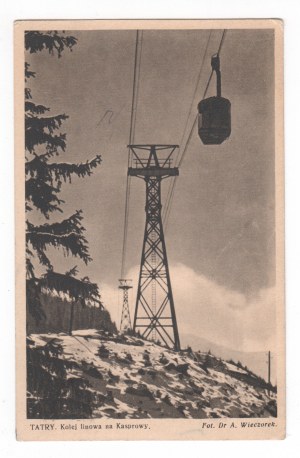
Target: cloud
column 221, row 315
column 112, row 301
column 211, row 311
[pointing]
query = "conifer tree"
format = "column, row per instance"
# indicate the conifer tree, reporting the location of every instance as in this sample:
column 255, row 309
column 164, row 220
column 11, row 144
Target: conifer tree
column 45, row 177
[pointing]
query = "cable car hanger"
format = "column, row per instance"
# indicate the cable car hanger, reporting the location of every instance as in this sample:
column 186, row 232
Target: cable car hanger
column 185, row 148
column 214, row 118
column 215, row 65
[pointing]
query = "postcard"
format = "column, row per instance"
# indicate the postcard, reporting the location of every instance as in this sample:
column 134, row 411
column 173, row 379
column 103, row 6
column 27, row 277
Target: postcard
column 149, row 230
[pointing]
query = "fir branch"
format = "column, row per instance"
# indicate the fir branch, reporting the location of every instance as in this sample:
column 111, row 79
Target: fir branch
column 35, row 109
column 43, row 196
column 57, row 171
column 65, row 170
column 33, row 300
column 72, row 244
column 44, row 156
column 28, row 252
column 39, row 124
column 43, row 258
column 66, row 226
column 52, row 41
column 72, row 272
column 76, row 289
column 27, row 207
column 28, row 93
column 28, row 73
column 29, row 268
column 39, row 131
column 34, row 138
column 68, row 234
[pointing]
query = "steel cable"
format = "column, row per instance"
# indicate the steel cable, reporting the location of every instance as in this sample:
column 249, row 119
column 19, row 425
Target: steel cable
column 135, row 90
column 173, row 185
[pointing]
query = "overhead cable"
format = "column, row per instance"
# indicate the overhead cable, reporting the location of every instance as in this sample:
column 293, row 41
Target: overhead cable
column 173, row 185
column 135, row 90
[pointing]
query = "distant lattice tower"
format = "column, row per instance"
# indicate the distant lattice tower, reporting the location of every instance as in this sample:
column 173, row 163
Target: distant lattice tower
column 154, row 316
column 125, row 325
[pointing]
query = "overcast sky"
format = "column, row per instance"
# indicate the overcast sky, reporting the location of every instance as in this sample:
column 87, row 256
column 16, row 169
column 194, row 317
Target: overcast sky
column 220, row 237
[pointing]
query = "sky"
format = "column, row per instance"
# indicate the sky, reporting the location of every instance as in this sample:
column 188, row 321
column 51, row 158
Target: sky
column 220, row 236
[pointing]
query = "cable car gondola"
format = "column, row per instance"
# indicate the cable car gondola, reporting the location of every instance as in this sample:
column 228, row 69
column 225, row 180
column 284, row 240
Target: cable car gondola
column 214, row 119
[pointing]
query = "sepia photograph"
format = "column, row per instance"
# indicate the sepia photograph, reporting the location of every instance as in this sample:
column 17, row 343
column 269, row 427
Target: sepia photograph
column 149, row 203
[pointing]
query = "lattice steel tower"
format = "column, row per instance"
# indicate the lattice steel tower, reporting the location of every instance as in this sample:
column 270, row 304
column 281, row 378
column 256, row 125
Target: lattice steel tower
column 154, row 311
column 125, row 317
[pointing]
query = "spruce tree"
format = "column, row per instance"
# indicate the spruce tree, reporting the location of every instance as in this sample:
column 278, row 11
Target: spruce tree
column 45, row 177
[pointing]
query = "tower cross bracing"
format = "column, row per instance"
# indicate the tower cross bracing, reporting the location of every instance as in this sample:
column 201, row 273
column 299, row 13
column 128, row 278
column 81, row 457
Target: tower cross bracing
column 155, row 316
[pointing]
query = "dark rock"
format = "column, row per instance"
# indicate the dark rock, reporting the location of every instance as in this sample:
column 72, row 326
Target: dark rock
column 140, row 390
column 152, row 373
column 112, row 377
column 272, row 408
column 103, row 352
column 180, row 409
column 182, row 368
column 94, row 372
column 163, row 359
column 110, row 396
column 167, row 400
column 170, row 367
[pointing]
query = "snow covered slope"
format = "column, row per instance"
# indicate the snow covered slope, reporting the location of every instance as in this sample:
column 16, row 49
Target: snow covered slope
column 127, row 377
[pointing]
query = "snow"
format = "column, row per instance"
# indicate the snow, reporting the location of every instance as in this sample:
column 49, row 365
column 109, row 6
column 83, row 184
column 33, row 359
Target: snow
column 234, row 368
column 123, row 407
column 161, row 391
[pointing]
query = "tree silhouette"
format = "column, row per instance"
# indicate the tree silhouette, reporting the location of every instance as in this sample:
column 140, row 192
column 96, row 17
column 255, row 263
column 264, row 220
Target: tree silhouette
column 44, row 179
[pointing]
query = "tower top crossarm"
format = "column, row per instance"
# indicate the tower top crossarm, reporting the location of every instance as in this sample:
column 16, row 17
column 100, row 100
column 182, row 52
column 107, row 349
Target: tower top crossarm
column 125, row 283
column 152, row 160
